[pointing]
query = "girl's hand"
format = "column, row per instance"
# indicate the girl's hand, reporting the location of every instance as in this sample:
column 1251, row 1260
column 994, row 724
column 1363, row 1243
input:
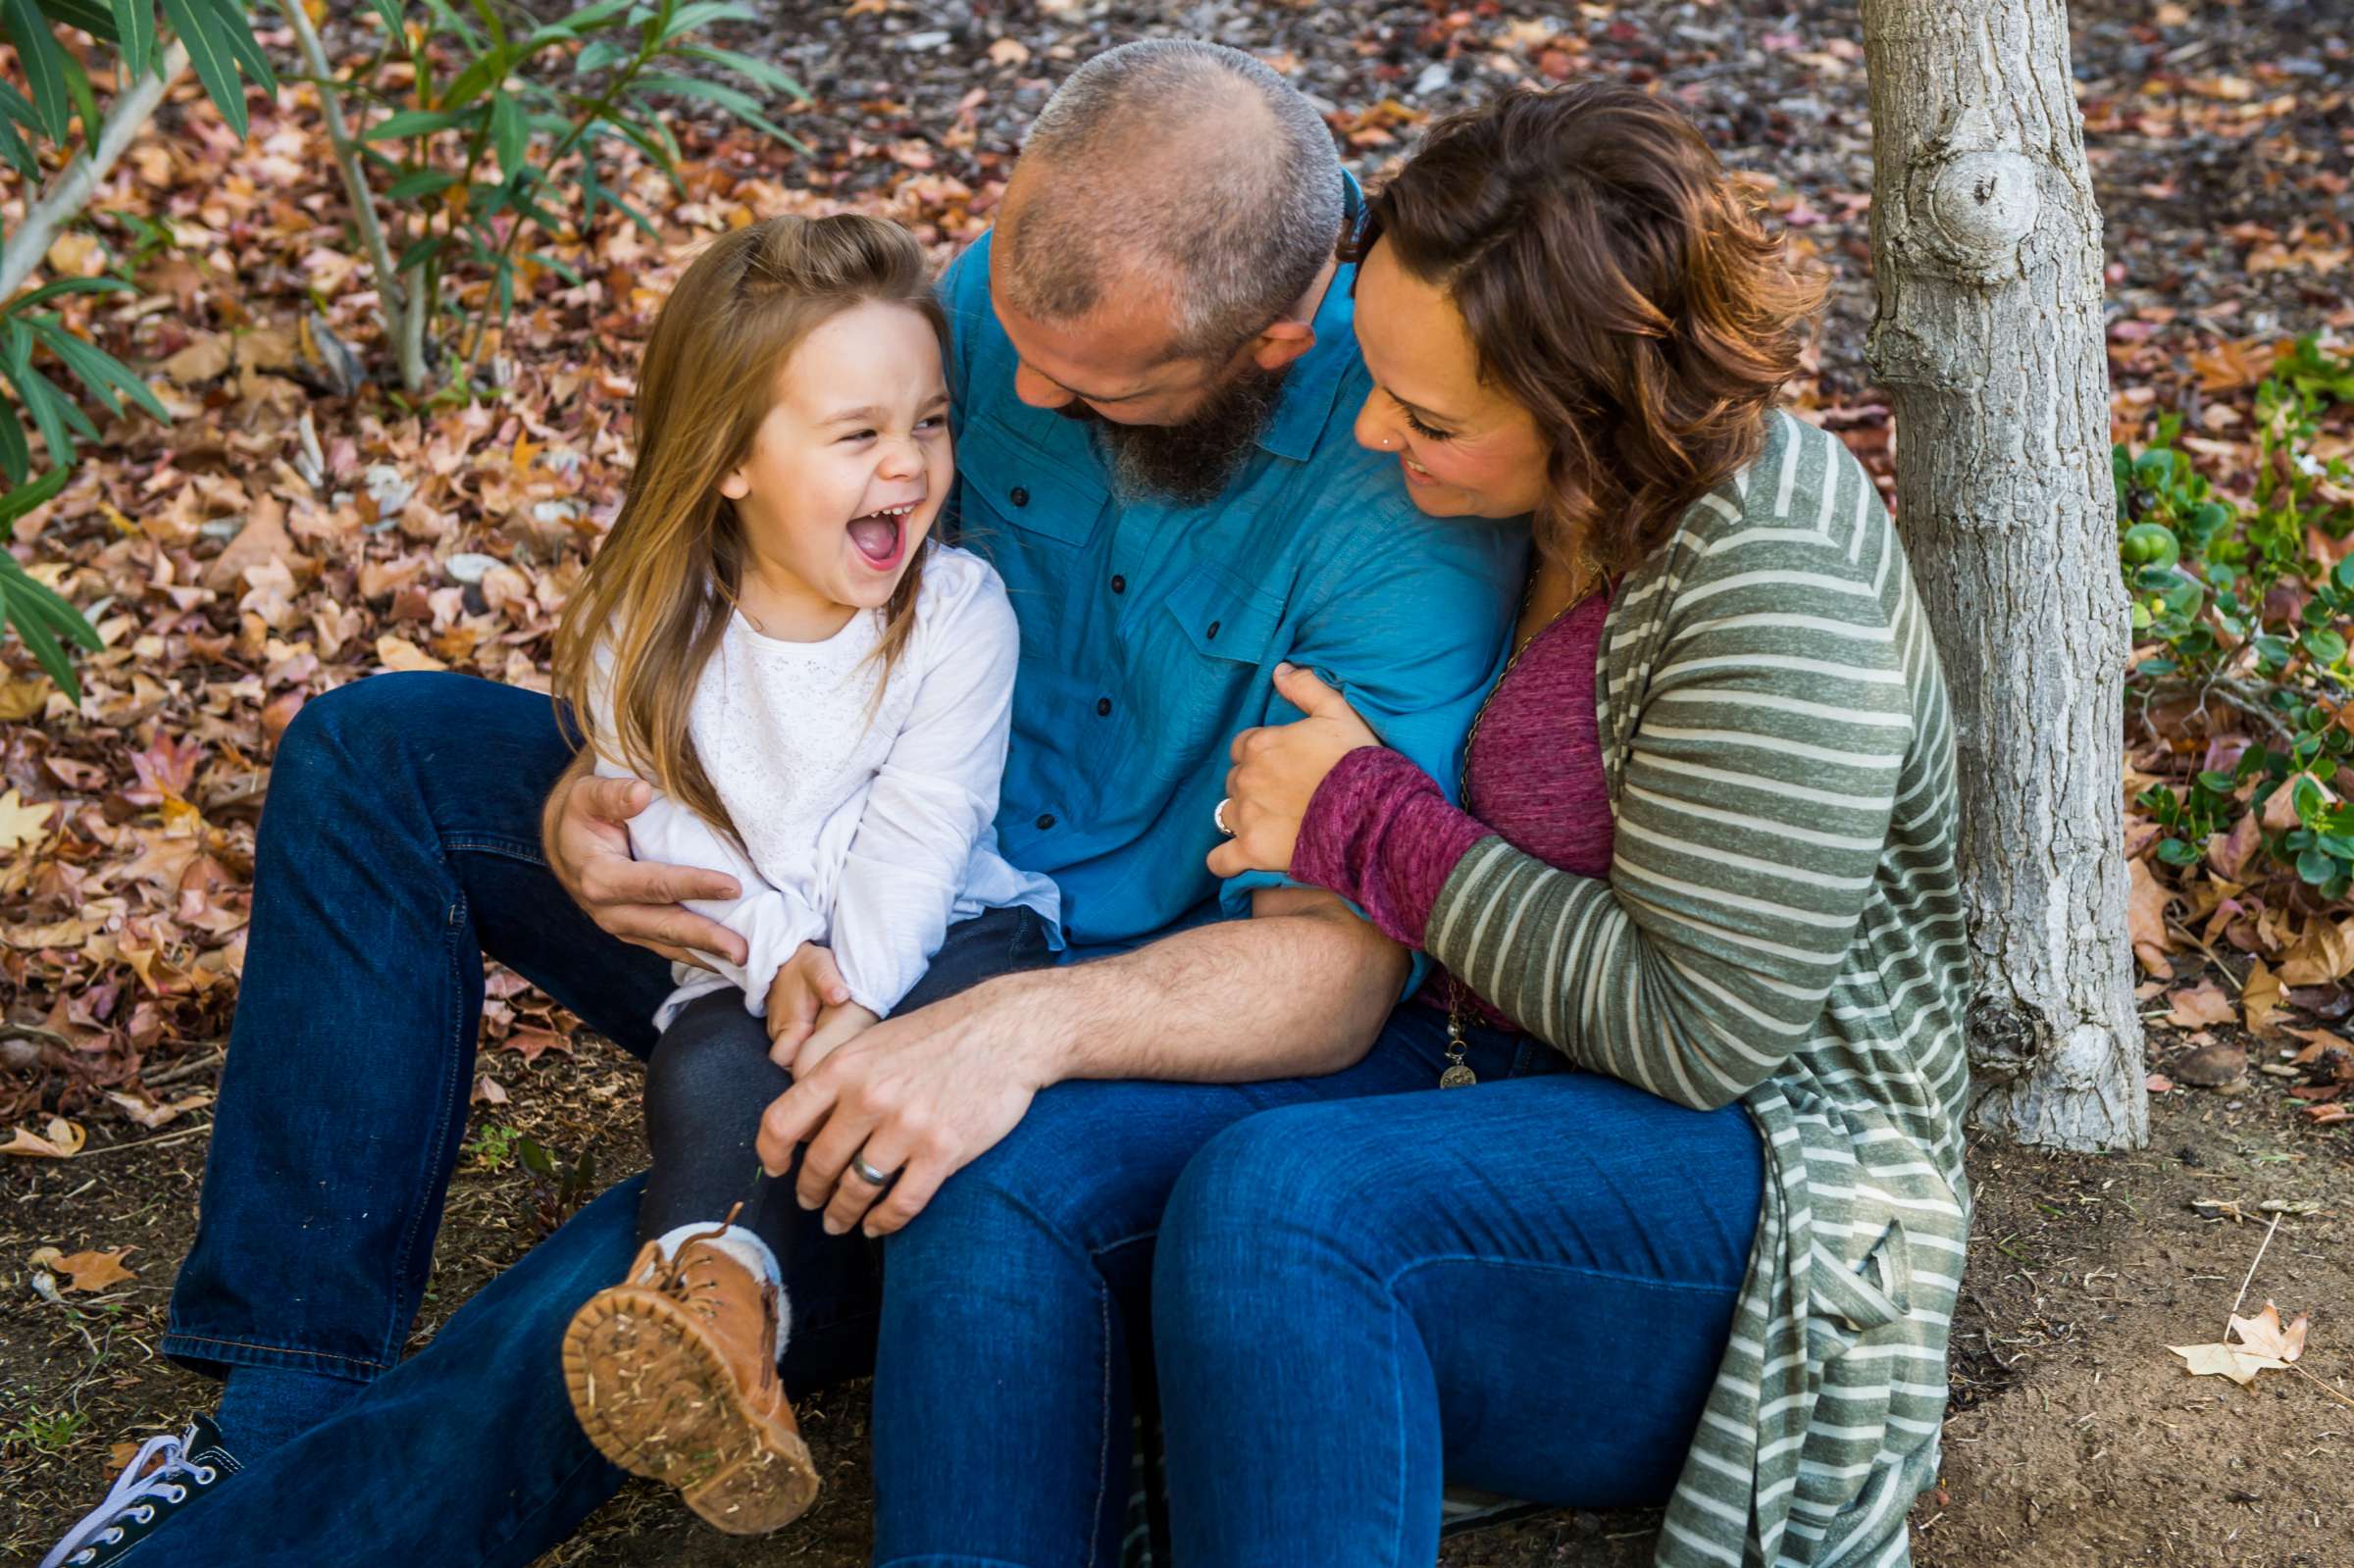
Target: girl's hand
column 1277, row 769
column 836, row 1028
column 806, row 986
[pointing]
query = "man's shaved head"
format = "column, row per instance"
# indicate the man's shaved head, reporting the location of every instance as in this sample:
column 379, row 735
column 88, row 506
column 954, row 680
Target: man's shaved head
column 1186, row 173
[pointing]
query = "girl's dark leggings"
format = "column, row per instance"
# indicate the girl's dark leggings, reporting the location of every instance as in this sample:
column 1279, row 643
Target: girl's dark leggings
column 710, row 1080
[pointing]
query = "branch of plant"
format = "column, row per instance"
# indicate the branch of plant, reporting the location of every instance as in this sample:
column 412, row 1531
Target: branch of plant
column 598, row 109
column 78, row 181
column 395, row 303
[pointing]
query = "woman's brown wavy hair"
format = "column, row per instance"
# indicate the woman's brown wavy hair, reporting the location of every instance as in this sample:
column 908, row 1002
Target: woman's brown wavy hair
column 1616, row 284
column 659, row 589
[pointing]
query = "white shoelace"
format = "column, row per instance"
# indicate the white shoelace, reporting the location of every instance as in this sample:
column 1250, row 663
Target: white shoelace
column 136, row 1493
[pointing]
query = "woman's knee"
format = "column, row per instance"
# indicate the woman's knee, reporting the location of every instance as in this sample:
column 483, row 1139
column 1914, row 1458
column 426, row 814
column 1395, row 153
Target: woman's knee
column 1265, row 1182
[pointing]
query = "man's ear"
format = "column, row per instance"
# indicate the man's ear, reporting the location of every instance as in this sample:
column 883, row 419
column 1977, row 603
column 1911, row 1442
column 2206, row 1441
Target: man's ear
column 1282, row 343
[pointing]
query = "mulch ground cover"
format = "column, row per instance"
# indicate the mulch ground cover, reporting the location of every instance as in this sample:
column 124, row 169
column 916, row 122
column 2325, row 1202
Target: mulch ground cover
column 2220, row 136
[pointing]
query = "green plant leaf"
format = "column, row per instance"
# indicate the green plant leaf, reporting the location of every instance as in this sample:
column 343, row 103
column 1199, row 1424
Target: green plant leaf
column 423, row 183
column 22, row 498
column 91, row 15
column 66, row 286
column 236, row 31
column 22, row 600
column 511, row 135
column 2315, row 866
column 751, row 69
column 209, row 52
column 483, row 73
column 415, row 123
column 420, row 251
column 100, row 371
column 389, row 12
column 687, row 19
column 2174, row 852
column 2323, row 645
column 16, row 453
column 85, row 102
column 734, row 100
column 42, row 62
column 134, row 36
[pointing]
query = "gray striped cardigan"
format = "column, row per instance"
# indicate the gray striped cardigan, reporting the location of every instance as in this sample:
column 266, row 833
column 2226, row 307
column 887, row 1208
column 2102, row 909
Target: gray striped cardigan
column 1781, row 927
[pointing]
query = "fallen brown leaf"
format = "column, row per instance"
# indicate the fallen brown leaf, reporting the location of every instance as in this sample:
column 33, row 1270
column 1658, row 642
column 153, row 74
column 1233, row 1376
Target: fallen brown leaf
column 61, row 1140
column 2145, row 920
column 92, row 1271
column 2203, row 1003
column 2264, row 1346
column 2260, row 997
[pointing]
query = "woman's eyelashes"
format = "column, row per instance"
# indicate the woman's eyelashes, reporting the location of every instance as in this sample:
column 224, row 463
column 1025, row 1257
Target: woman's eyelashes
column 1426, row 432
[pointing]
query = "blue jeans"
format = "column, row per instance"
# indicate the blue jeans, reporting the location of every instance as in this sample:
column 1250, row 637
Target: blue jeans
column 1363, row 1284
column 401, row 841
column 1525, row 1287
column 399, row 844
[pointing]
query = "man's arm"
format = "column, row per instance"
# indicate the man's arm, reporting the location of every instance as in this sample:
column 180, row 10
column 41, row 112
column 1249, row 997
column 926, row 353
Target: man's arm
column 585, row 833
column 1300, row 989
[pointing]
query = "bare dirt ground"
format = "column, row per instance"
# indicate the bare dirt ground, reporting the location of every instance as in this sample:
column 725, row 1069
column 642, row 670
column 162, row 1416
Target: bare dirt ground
column 2074, row 1437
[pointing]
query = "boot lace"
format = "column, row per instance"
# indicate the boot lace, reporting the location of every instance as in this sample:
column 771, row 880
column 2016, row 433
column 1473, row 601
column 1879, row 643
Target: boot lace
column 670, row 1272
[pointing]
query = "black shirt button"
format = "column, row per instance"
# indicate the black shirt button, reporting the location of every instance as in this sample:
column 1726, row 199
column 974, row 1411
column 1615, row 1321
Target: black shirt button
column 1019, row 496
column 1046, row 821
column 1119, row 584
column 1103, row 707
column 1213, row 628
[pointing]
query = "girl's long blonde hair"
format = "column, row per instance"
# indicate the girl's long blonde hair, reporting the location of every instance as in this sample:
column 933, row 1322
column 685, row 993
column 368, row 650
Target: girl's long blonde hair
column 661, row 587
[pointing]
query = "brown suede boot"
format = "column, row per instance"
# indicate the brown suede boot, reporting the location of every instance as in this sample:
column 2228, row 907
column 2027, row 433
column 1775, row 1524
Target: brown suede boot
column 673, row 1374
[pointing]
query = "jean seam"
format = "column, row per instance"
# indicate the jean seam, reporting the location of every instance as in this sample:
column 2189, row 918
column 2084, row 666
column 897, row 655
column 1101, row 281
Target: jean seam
column 1391, row 1281
column 1397, row 1423
column 185, row 1336
column 429, row 1147
column 494, row 844
column 1094, row 1518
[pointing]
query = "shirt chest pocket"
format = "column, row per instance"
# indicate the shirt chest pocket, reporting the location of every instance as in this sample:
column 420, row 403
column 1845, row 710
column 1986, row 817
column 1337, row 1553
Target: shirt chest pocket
column 1030, row 515
column 1197, row 671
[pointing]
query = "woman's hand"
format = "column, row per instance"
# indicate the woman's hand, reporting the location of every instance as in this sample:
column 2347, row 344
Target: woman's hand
column 1277, row 769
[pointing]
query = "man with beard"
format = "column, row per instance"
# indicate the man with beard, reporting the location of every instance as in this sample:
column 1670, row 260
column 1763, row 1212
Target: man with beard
column 1164, row 271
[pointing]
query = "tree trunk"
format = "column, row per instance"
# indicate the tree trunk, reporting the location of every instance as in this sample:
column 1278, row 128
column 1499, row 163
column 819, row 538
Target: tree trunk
column 1986, row 244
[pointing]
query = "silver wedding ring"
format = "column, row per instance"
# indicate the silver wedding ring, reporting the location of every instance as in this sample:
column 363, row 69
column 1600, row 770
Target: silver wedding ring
column 1219, row 817
column 867, row 1173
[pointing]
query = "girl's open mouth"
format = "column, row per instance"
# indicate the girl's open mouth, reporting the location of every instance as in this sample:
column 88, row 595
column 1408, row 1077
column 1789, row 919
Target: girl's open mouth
column 880, row 536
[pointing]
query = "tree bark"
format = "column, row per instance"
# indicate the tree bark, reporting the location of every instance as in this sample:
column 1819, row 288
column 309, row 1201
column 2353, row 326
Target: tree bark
column 1987, row 242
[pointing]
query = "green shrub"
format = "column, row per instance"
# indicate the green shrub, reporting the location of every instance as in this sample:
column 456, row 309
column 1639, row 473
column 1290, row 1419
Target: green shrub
column 2242, row 609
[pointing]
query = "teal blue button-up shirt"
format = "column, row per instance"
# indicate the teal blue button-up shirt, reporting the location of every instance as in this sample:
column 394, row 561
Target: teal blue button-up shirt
column 1149, row 633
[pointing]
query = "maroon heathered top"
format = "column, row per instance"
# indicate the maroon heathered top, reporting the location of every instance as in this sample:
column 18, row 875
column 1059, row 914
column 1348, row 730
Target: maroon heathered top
column 1381, row 834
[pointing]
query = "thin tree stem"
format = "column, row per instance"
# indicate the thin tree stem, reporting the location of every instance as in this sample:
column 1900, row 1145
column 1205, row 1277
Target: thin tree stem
column 394, row 303
column 72, row 188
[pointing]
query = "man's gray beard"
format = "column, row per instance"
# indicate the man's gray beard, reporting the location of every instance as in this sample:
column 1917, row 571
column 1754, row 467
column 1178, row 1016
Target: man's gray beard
column 1188, row 464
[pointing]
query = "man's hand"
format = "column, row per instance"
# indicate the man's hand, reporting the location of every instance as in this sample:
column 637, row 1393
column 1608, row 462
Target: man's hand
column 585, row 830
column 806, row 984
column 921, row 1094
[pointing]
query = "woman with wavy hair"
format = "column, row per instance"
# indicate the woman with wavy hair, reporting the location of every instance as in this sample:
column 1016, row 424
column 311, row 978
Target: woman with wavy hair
column 1688, row 1222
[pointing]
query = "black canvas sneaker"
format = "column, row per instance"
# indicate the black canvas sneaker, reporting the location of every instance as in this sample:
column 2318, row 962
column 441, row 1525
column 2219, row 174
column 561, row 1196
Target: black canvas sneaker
column 165, row 1475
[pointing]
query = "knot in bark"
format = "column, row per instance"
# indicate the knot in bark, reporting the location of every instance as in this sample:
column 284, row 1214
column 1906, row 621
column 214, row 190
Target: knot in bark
column 1981, row 205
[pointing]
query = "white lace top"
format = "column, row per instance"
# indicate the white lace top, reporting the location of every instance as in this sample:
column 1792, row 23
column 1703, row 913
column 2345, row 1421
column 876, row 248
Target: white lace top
column 869, row 836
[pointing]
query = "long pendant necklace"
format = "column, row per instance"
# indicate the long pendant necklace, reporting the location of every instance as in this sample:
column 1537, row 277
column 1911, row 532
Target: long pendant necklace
column 1458, row 1073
